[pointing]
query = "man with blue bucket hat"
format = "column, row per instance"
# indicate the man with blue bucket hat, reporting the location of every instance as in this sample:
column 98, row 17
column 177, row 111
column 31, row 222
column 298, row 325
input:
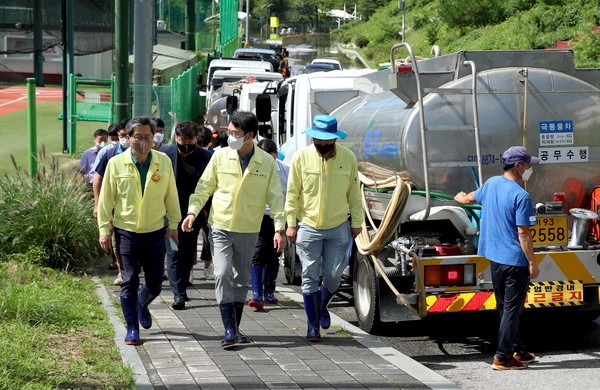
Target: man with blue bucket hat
column 323, row 189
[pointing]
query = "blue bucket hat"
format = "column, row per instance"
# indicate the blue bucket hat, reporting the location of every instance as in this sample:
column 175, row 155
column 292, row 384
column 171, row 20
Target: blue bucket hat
column 516, row 154
column 324, row 127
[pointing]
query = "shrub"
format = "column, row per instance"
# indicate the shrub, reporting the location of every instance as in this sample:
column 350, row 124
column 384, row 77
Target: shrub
column 49, row 216
column 361, row 41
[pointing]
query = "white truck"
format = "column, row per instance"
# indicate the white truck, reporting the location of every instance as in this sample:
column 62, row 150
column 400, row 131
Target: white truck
column 422, row 131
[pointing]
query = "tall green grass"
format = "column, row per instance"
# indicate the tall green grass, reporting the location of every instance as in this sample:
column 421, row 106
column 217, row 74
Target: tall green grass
column 48, row 217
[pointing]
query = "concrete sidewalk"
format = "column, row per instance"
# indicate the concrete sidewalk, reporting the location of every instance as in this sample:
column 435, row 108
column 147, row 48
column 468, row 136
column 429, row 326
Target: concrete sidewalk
column 182, row 349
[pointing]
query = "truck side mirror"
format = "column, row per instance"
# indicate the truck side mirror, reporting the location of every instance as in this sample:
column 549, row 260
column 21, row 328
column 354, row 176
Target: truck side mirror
column 263, row 107
column 231, row 104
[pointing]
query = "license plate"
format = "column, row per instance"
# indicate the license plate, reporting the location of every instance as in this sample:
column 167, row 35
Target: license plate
column 550, row 230
column 552, row 294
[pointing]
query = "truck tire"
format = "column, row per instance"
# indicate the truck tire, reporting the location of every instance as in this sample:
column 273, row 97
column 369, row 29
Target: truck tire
column 365, row 286
column 291, row 265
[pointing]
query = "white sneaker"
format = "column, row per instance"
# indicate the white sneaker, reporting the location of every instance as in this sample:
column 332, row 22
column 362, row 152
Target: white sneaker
column 209, row 272
column 191, row 280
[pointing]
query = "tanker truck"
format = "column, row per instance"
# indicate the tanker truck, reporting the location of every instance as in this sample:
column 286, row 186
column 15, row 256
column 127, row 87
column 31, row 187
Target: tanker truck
column 423, row 131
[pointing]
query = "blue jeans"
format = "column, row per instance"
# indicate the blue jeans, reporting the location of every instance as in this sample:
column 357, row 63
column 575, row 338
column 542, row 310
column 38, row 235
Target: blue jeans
column 510, row 288
column 322, row 251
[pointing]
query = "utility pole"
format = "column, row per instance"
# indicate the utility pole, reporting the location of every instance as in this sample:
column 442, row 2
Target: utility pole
column 401, row 7
column 121, row 64
column 247, row 23
column 67, row 69
column 38, row 42
column 190, row 25
column 142, row 57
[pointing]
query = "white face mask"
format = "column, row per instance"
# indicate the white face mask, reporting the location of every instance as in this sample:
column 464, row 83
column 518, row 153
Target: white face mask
column 100, row 145
column 159, row 137
column 235, row 143
column 124, row 142
column 114, row 143
column 527, row 173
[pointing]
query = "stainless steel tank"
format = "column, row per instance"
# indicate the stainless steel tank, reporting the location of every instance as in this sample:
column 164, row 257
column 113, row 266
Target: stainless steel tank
column 385, row 130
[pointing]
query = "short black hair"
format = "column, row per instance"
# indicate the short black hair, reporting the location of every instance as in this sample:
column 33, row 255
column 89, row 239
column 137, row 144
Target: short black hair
column 508, row 167
column 204, row 136
column 113, row 129
column 222, row 139
column 246, row 121
column 140, row 121
column 268, row 145
column 100, row 132
column 186, row 129
column 159, row 122
column 123, row 123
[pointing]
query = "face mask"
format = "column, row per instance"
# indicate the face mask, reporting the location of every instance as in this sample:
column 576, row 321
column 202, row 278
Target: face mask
column 527, row 173
column 324, row 149
column 124, row 142
column 100, row 145
column 185, row 149
column 235, row 143
column 159, row 137
column 114, row 143
column 141, row 147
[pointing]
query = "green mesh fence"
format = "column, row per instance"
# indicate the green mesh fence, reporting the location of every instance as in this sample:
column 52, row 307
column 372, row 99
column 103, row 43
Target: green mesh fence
column 228, row 26
column 186, row 103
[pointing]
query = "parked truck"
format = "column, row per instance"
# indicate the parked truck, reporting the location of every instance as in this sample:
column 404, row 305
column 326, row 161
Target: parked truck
column 423, row 131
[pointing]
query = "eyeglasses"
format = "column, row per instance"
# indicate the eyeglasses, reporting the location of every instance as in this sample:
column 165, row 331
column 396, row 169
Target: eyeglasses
column 235, row 134
column 140, row 138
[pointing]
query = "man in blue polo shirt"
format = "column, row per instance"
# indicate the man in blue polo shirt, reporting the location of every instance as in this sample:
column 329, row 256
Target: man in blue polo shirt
column 505, row 240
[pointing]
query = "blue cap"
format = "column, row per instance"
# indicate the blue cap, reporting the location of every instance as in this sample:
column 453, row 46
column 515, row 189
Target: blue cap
column 516, row 154
column 324, row 127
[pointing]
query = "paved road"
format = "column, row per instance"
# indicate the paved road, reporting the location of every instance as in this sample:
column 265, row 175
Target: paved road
column 460, row 348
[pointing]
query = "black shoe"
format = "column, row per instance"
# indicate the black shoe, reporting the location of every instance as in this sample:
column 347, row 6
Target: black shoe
column 179, row 304
column 187, row 299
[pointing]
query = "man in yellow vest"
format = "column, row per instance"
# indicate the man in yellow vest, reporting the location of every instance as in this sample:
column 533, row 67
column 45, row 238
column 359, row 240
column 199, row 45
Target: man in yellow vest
column 242, row 180
column 322, row 191
column 138, row 190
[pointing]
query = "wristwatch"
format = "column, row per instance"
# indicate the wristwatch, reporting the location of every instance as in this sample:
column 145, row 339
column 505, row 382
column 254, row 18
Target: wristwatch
column 279, row 231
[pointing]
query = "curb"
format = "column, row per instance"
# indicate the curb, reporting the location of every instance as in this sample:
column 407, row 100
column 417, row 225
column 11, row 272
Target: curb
column 129, row 354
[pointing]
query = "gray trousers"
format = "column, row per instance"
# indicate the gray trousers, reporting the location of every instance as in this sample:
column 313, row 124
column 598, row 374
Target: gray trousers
column 232, row 254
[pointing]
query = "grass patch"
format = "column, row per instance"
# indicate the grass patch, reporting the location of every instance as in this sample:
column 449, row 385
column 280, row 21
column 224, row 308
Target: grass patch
column 54, row 332
column 341, row 331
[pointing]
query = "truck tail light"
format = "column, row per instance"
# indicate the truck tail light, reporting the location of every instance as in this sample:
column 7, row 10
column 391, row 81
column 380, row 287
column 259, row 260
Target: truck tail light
column 404, row 68
column 450, row 275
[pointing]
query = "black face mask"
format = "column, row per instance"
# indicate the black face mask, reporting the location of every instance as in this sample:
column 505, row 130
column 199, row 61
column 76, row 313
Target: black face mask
column 185, row 149
column 324, row 149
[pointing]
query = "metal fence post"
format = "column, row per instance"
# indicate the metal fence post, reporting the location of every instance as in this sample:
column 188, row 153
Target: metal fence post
column 32, row 126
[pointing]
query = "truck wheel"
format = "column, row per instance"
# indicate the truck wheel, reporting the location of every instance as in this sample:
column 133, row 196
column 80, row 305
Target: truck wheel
column 365, row 287
column 291, row 265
